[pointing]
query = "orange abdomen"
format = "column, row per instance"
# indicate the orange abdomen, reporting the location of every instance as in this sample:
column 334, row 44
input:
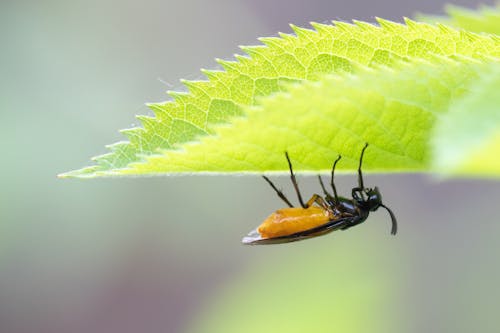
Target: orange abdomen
column 288, row 221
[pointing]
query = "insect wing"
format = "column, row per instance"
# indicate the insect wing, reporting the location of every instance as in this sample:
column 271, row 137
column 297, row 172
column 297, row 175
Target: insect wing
column 254, row 238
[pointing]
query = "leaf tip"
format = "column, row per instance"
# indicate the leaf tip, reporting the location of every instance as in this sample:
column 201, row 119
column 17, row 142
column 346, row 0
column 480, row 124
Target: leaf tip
column 228, row 65
column 345, row 26
column 87, row 172
column 388, row 25
column 301, row 32
column 320, row 27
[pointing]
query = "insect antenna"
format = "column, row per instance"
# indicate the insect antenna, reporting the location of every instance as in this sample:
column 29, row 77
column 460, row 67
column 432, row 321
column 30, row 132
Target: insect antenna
column 394, row 228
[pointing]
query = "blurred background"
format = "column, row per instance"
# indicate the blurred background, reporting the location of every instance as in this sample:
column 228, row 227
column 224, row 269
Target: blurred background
column 163, row 254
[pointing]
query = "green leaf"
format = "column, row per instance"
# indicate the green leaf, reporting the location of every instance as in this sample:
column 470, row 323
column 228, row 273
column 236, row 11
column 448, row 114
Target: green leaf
column 486, row 19
column 161, row 145
column 467, row 140
column 394, row 109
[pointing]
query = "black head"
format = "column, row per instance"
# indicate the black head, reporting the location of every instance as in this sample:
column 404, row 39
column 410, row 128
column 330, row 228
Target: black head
column 367, row 198
column 374, row 198
column 370, row 199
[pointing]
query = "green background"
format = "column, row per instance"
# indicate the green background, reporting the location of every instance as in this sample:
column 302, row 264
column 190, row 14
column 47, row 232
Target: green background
column 163, row 254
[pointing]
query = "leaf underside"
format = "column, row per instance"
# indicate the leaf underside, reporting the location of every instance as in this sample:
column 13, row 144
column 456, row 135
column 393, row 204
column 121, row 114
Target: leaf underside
column 317, row 94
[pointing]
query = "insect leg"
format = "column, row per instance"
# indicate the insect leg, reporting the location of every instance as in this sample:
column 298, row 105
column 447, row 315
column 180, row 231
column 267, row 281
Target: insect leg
column 317, row 199
column 331, row 179
column 358, row 194
column 294, row 181
column 323, row 187
column 278, row 192
column 360, row 175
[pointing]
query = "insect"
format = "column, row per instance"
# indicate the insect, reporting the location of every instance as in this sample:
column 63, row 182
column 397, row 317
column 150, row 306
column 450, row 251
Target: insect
column 319, row 215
